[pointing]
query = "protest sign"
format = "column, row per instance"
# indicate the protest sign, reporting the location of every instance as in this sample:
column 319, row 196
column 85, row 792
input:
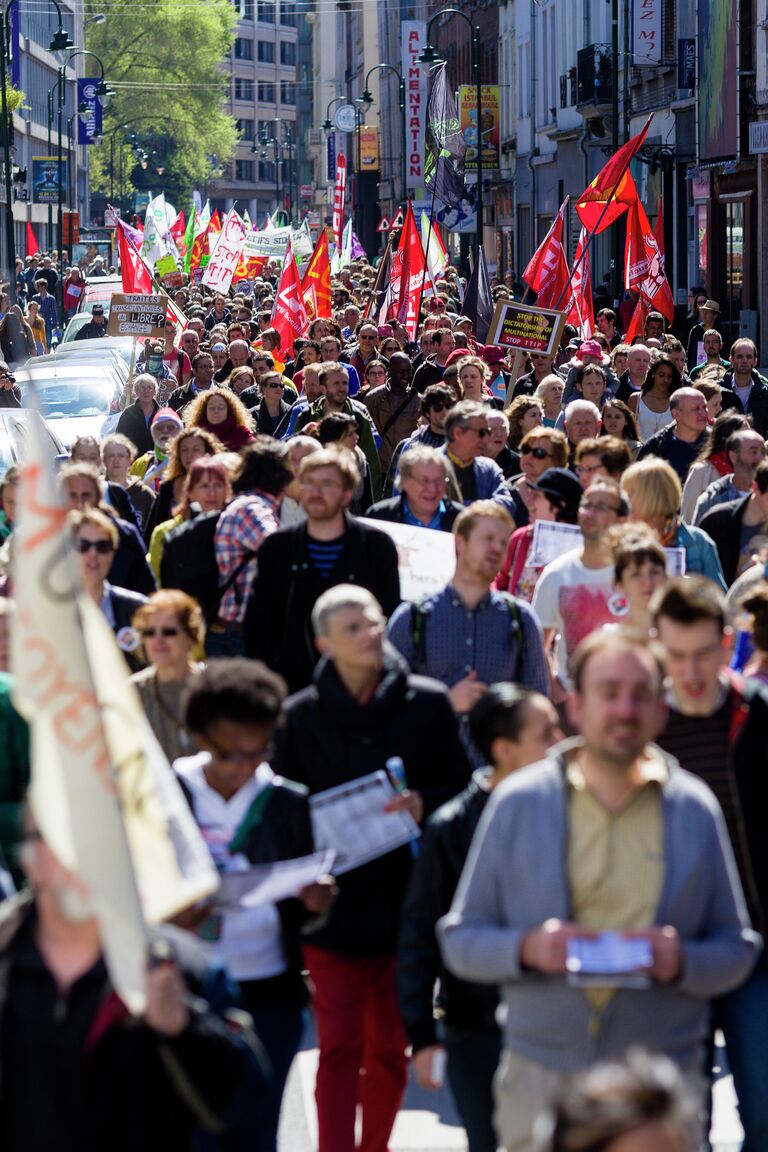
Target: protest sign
column 523, row 327
column 135, row 315
column 426, row 558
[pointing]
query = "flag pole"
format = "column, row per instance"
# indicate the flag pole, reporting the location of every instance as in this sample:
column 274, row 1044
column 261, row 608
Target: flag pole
column 590, row 235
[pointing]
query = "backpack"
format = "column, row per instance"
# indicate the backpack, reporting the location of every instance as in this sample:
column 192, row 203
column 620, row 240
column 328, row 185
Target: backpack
column 189, row 563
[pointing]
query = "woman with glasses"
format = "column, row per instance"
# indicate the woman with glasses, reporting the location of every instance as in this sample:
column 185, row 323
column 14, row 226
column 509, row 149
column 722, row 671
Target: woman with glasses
column 374, row 376
column 170, row 627
column 219, row 412
column 271, row 411
column 96, row 539
column 540, row 449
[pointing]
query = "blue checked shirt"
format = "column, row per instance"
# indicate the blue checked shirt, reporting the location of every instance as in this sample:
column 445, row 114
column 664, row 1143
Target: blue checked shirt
column 241, row 528
column 457, row 640
column 49, row 313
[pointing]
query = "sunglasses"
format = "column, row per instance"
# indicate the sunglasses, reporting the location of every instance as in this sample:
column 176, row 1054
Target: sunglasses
column 537, row 453
column 103, row 547
column 276, row 386
column 149, row 633
column 440, row 407
column 481, row 432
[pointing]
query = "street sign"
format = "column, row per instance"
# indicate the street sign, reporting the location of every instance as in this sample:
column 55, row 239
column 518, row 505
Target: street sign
column 136, row 315
column 384, row 225
column 758, row 137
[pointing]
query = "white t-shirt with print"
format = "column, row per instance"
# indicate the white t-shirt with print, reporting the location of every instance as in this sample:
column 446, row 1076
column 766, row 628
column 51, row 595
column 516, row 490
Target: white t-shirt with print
column 573, row 599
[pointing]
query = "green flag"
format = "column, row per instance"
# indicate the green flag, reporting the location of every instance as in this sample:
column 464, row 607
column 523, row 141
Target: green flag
column 189, row 238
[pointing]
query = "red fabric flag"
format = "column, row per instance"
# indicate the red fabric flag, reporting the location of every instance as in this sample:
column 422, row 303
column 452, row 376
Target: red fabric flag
column 133, row 270
column 32, row 245
column 178, row 230
column 547, row 271
column 408, row 268
column 338, row 199
column 215, row 222
column 637, row 323
column 644, row 262
column 582, row 312
column 318, row 277
column 289, row 315
column 613, row 189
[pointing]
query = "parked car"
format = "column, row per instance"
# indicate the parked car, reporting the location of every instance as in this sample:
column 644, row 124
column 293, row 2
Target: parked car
column 77, row 395
column 14, row 438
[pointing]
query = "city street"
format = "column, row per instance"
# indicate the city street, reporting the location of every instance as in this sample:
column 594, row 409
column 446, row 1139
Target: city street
column 428, row 1121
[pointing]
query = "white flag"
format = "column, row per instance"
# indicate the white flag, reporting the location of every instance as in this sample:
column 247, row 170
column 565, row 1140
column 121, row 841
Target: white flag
column 155, row 243
column 101, row 790
column 226, row 253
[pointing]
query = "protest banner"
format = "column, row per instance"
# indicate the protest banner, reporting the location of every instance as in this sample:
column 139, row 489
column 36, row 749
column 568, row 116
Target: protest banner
column 426, row 558
column 523, row 327
column 225, row 254
column 135, row 315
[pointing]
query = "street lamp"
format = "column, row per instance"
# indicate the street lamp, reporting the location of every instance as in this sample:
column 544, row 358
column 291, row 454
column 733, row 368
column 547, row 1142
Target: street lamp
column 60, row 42
column 327, row 124
column 429, row 55
column 102, row 94
column 367, row 99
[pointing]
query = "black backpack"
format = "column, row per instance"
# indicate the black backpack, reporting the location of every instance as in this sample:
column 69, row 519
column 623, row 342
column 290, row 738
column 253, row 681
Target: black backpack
column 189, row 563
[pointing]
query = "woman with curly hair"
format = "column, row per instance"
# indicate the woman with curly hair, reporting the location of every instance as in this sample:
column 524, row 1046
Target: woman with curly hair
column 524, row 414
column 185, row 449
column 219, row 412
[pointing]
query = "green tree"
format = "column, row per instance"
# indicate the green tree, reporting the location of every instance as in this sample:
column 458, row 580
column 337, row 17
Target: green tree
column 163, row 59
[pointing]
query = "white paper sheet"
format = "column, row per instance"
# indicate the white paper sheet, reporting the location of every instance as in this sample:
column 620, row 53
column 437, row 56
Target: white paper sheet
column 268, row 883
column 350, row 819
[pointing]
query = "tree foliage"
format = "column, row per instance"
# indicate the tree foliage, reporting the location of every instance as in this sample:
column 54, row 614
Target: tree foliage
column 163, row 59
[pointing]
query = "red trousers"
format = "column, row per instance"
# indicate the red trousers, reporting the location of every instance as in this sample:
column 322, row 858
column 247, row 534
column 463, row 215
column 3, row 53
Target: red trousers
column 362, row 1049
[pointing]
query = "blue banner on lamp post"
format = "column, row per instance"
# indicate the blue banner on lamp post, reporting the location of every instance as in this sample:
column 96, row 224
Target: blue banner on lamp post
column 89, row 122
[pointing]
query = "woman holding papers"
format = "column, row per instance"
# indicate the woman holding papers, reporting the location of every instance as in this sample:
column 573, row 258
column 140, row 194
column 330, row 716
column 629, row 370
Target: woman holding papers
column 249, row 816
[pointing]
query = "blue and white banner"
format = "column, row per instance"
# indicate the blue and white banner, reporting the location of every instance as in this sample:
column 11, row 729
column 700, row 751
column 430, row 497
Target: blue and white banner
column 89, row 124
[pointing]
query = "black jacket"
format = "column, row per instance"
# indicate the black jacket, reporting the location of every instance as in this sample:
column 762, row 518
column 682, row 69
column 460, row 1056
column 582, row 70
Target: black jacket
column 277, row 627
column 133, row 424
column 182, row 396
column 130, row 568
column 101, row 1080
column 124, row 605
column 723, row 524
column 392, row 511
column 661, row 442
column 442, row 854
column 329, row 738
column 757, row 403
column 10, row 397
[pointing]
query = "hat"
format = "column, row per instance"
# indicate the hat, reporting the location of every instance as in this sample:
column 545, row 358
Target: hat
column 711, row 305
column 385, row 331
column 590, row 348
column 492, row 355
column 97, row 310
column 457, row 354
column 562, row 487
column 167, row 414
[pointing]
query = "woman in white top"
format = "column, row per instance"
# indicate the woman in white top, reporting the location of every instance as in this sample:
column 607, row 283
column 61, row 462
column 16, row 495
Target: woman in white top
column 651, row 404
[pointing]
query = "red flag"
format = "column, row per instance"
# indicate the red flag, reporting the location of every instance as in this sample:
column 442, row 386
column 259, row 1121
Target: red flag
column 613, row 190
column 289, row 315
column 637, row 323
column 582, row 312
column 547, row 271
column 644, row 262
column 32, row 244
column 408, row 268
column 133, row 270
column 317, row 278
column 215, row 222
column 338, row 199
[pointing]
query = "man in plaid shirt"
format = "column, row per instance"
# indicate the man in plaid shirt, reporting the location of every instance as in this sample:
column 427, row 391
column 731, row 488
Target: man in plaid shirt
column 253, row 514
column 47, row 307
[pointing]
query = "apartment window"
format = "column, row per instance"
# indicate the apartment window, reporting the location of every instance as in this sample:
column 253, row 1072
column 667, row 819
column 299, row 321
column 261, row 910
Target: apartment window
column 287, row 53
column 245, row 128
column 287, row 92
column 266, row 129
column 267, row 172
column 266, row 93
column 266, row 52
column 288, row 15
column 243, row 8
column 244, row 170
column 243, row 89
column 266, row 13
column 243, row 49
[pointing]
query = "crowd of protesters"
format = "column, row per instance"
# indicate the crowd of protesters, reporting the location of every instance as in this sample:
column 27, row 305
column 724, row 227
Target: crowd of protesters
column 581, row 739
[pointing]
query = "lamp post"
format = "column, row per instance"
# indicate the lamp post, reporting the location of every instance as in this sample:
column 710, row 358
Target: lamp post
column 429, row 55
column 60, row 43
column 367, row 99
column 102, row 92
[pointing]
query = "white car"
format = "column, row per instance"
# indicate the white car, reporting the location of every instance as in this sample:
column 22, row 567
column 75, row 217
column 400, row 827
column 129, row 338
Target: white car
column 14, row 438
column 78, row 396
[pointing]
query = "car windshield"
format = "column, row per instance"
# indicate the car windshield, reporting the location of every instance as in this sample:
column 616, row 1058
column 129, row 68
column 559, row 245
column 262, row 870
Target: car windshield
column 59, row 401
